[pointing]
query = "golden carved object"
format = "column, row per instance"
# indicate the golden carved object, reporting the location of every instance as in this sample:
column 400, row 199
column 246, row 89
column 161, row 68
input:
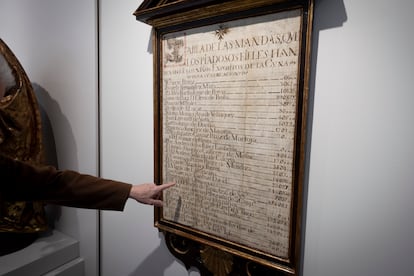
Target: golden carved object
column 218, row 262
column 21, row 139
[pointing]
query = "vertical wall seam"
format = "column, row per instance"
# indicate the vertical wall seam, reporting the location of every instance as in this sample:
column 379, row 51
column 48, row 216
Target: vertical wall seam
column 98, row 48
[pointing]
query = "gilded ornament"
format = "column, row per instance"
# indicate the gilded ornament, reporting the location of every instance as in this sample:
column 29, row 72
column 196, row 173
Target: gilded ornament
column 218, row 262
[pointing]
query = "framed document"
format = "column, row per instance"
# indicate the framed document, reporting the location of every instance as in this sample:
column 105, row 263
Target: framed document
column 230, row 94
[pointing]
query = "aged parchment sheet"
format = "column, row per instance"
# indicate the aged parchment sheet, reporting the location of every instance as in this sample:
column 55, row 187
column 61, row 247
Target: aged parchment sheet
column 229, row 97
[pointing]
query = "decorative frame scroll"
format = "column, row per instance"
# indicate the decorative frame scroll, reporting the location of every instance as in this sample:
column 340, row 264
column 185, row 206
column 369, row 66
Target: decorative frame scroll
column 230, row 111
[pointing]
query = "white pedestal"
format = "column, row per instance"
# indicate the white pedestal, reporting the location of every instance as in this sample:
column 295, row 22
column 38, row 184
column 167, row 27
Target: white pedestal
column 54, row 254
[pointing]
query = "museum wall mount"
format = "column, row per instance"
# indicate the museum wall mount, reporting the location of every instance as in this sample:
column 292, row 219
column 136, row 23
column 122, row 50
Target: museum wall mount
column 230, row 107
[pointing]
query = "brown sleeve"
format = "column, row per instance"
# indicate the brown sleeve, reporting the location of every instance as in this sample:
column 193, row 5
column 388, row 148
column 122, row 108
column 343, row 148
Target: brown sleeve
column 20, row 181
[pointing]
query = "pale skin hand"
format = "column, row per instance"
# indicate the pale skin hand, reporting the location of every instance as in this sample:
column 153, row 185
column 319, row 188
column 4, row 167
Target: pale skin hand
column 149, row 193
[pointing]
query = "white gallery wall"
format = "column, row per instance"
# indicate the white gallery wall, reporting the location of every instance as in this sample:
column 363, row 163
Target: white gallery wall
column 360, row 178
column 130, row 243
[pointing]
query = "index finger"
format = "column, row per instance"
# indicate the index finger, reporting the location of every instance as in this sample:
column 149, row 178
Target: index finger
column 165, row 186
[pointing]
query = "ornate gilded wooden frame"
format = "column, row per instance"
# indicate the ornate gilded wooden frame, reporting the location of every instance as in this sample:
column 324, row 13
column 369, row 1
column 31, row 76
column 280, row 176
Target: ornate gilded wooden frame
column 230, row 108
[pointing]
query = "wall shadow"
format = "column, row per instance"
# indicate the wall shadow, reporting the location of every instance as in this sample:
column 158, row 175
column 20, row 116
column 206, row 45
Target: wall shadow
column 327, row 14
column 50, row 113
column 56, row 129
column 161, row 256
column 49, row 143
column 53, row 212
